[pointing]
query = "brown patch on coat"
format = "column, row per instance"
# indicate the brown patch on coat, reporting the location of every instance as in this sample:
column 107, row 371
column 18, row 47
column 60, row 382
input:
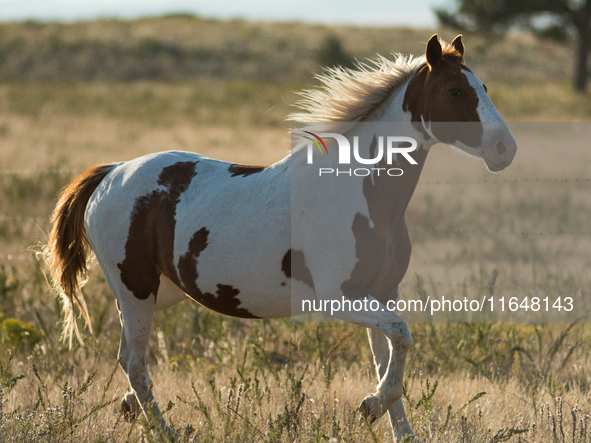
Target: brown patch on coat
column 245, row 170
column 383, row 250
column 225, row 301
column 441, row 94
column 286, row 264
column 149, row 248
column 294, row 265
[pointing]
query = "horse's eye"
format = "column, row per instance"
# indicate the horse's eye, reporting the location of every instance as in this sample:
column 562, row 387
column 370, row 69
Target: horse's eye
column 455, row 93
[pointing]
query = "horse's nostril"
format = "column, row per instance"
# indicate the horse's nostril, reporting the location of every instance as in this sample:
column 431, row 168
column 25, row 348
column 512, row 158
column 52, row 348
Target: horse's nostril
column 500, row 148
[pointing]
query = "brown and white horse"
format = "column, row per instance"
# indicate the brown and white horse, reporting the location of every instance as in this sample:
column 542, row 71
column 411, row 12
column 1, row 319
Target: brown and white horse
column 173, row 225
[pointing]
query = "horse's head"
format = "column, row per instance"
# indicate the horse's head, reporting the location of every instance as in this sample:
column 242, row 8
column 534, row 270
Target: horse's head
column 449, row 103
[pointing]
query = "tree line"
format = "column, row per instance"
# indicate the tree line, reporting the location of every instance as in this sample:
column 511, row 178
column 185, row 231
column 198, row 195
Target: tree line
column 556, row 19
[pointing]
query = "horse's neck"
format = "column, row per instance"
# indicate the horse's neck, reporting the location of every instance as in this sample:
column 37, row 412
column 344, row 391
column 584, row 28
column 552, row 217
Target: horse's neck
column 395, row 192
column 386, row 195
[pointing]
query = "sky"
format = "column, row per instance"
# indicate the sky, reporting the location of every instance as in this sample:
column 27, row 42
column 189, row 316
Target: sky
column 415, row 13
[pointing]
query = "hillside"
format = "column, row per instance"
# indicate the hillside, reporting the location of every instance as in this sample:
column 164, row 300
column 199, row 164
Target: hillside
column 182, row 46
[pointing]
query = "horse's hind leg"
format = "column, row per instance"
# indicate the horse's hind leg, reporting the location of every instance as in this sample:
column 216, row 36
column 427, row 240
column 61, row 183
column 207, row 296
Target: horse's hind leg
column 130, row 408
column 381, row 352
column 136, row 324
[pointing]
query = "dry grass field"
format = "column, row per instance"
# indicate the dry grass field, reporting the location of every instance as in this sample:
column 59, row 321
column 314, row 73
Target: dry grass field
column 522, row 232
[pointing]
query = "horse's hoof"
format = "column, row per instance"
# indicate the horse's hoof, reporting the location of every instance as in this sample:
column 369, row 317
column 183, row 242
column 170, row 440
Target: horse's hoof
column 369, row 408
column 128, row 413
column 171, row 434
column 410, row 438
column 406, row 437
column 130, row 407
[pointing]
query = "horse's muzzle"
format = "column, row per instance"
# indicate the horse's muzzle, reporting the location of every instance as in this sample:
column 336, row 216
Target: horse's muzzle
column 500, row 155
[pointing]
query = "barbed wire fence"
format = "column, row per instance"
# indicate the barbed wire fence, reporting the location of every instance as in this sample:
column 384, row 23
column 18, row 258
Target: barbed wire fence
column 32, row 256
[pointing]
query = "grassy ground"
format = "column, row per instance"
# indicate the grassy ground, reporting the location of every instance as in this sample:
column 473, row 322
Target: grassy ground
column 226, row 379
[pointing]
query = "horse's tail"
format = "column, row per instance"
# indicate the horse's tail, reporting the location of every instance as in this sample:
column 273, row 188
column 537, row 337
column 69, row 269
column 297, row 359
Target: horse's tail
column 67, row 248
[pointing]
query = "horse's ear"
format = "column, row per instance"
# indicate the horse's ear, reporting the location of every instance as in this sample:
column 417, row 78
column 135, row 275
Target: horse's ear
column 433, row 52
column 458, row 44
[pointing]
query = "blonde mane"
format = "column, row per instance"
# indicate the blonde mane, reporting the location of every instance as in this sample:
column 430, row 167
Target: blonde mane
column 346, row 96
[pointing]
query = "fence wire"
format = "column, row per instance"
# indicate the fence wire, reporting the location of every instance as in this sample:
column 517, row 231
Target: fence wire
column 502, row 232
column 427, row 183
column 24, row 219
column 39, row 172
column 506, row 288
column 17, row 257
column 509, row 181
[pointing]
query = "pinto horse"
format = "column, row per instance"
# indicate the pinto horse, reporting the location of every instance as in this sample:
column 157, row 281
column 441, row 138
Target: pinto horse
column 175, row 225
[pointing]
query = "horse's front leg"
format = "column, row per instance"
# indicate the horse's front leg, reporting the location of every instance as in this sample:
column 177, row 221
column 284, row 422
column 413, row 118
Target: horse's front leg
column 381, row 352
column 397, row 337
column 389, row 390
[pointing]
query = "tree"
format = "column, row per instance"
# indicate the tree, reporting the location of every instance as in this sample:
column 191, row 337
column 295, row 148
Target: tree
column 556, row 18
column 332, row 53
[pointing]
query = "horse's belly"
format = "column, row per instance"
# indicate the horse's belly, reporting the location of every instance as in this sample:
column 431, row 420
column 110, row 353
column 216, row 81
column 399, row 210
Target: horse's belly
column 232, row 260
column 244, row 303
column 239, row 289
